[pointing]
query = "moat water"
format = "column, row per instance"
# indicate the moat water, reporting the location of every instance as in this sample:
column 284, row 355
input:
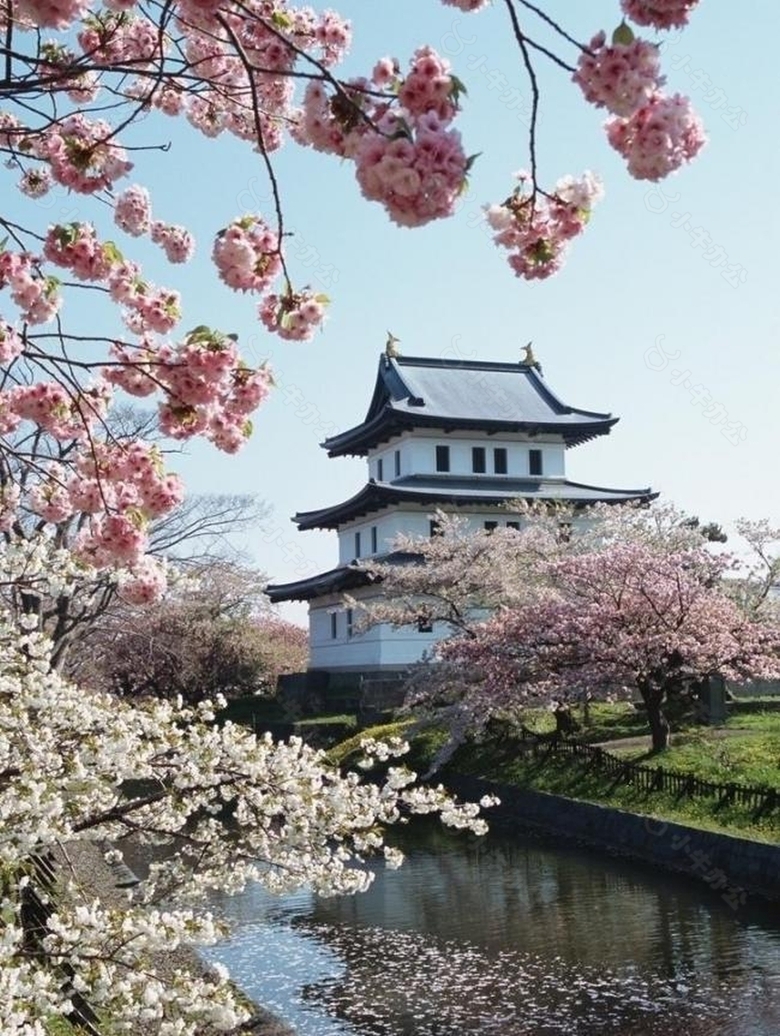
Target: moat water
column 515, row 936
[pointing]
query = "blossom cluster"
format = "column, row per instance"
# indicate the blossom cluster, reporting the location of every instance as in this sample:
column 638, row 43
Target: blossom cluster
column 537, row 229
column 655, row 133
column 236, row 69
column 661, row 14
column 406, row 155
column 64, row 754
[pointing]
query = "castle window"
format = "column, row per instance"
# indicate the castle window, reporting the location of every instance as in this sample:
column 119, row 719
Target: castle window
column 334, row 625
column 478, row 459
column 357, row 544
column 434, row 528
column 490, row 526
column 442, row 458
column 513, row 525
column 397, row 463
column 535, row 462
column 424, row 624
column 499, row 460
column 373, row 539
column 350, row 622
column 380, row 470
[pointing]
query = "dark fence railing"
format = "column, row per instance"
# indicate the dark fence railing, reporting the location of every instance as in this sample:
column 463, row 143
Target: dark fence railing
column 645, row 778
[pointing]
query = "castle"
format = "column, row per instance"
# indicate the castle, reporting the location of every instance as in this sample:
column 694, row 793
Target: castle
column 450, row 434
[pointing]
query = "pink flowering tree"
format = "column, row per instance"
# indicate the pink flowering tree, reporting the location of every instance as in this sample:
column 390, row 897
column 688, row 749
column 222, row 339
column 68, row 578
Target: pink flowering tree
column 78, row 77
column 627, row 619
column 612, row 601
column 213, row 634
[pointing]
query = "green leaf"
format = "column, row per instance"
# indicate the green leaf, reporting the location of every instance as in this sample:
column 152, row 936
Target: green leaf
column 112, row 253
column 457, row 88
column 623, row 35
column 201, row 333
column 471, row 160
column 323, row 299
column 281, row 20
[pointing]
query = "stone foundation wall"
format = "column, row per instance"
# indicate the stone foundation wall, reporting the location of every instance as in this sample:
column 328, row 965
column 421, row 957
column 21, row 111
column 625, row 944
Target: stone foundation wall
column 731, row 866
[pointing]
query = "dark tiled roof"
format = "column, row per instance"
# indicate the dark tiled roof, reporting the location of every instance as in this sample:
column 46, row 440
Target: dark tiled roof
column 336, row 580
column 415, row 392
column 448, row 491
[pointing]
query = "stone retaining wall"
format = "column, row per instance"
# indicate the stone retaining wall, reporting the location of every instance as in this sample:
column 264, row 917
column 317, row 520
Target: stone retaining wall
column 732, row 866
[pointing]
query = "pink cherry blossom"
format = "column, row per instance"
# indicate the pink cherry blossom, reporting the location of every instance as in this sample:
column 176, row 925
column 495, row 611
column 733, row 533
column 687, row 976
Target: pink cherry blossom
column 76, row 247
column 49, row 14
column 537, row 229
column 294, row 316
column 659, row 137
column 133, row 210
column 11, row 343
column 35, row 183
column 662, row 14
column 247, row 254
column 37, row 296
column 467, row 5
column 82, row 156
column 621, row 76
column 51, row 501
column 429, row 87
column 144, row 583
column 10, row 496
column 417, row 178
column 177, row 242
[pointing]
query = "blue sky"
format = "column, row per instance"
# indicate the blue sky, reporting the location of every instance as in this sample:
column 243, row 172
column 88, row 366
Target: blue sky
column 635, row 282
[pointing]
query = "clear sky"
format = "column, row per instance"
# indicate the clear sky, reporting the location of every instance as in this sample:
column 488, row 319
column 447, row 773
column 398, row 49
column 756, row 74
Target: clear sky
column 637, row 279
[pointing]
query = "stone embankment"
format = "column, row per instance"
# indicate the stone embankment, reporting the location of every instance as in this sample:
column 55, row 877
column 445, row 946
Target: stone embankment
column 733, row 867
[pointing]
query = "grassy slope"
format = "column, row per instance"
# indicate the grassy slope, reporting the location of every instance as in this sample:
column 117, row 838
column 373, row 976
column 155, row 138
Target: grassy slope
column 747, row 753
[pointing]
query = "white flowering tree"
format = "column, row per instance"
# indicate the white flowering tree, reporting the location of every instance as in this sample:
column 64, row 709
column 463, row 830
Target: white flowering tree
column 230, row 808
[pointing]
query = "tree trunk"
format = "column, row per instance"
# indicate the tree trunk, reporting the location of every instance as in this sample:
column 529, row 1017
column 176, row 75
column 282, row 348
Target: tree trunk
column 653, row 698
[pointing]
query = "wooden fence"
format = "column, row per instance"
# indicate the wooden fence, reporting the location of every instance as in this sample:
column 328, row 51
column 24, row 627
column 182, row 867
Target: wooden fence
column 644, row 778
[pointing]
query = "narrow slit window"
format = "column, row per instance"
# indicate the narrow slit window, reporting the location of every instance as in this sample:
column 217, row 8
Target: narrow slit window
column 478, row 459
column 380, row 473
column 334, row 626
column 434, row 527
column 535, row 462
column 357, row 544
column 350, row 622
column 373, row 539
column 397, row 463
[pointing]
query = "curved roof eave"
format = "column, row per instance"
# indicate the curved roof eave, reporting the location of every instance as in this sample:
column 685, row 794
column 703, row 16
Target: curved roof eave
column 375, row 496
column 359, row 440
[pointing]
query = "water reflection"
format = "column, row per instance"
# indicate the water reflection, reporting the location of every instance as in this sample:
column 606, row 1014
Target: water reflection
column 501, row 937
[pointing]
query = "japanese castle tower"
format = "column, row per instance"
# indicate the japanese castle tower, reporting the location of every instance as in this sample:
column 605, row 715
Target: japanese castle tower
column 449, row 434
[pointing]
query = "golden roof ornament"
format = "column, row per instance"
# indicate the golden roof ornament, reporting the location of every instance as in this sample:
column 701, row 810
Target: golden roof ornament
column 529, row 360
column 391, row 349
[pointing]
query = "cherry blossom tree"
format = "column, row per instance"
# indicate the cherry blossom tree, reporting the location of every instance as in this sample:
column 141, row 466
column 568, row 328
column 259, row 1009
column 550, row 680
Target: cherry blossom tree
column 213, row 634
column 615, row 601
column 627, row 619
column 229, row 808
column 78, row 78
column 76, row 82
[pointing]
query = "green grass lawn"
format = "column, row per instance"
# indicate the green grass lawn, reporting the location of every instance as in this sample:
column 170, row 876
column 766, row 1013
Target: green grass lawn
column 564, row 775
column 748, row 754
